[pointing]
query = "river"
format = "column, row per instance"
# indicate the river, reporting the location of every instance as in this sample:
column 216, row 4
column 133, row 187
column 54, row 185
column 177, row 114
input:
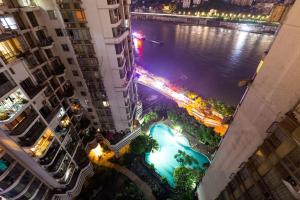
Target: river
column 208, row 60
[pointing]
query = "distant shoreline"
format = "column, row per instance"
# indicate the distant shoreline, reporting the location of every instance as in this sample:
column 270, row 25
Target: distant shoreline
column 262, row 28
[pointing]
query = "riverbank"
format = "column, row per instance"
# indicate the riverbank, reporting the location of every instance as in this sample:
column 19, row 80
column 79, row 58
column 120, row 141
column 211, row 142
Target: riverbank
column 265, row 28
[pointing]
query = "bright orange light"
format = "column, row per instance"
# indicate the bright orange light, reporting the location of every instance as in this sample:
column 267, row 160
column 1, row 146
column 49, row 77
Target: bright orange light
column 98, row 151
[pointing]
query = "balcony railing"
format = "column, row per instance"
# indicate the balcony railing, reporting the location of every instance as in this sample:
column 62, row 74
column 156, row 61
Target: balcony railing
column 27, row 3
column 50, row 154
column 69, row 92
column 46, row 42
column 48, row 113
column 112, row 2
column 63, row 168
column 74, row 187
column 25, row 123
column 12, row 106
column 59, row 70
column 33, row 134
column 123, row 139
column 6, row 87
column 71, row 146
column 56, row 163
column 32, row 91
column 61, row 132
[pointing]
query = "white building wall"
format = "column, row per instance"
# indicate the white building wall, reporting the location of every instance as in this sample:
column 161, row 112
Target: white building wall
column 100, row 26
column 274, row 92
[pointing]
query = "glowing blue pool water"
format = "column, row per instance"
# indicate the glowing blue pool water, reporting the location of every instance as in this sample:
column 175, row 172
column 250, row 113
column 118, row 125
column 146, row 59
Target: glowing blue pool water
column 169, row 144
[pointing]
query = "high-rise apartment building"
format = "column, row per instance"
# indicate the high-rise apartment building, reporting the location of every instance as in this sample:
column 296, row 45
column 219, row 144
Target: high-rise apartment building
column 259, row 156
column 99, row 39
column 66, row 72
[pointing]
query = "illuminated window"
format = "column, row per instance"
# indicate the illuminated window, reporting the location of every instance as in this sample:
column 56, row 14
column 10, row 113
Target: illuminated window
column 42, row 144
column 80, row 16
column 12, row 105
column 105, row 103
column 9, row 22
column 9, row 49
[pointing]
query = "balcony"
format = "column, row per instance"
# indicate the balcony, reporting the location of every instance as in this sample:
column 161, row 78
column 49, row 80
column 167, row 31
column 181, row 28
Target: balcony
column 26, row 119
column 81, row 157
column 63, row 168
column 84, row 123
column 42, row 144
column 26, row 3
column 46, row 43
column 61, row 132
column 68, row 91
column 6, row 86
column 48, row 113
column 121, row 35
column 71, row 146
column 50, row 154
column 76, row 108
column 10, row 49
column 33, row 134
column 57, row 161
column 30, row 88
column 59, row 70
column 11, row 106
column 113, row 3
column 88, row 135
column 120, row 139
column 68, row 175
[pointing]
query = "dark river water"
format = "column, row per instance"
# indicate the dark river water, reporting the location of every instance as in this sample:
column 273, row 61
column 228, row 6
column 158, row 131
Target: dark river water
column 208, row 60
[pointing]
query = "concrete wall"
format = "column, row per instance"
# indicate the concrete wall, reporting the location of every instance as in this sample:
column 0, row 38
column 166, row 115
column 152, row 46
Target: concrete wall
column 274, row 92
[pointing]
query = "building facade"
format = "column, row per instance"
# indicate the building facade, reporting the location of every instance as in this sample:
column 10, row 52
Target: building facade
column 66, row 73
column 258, row 158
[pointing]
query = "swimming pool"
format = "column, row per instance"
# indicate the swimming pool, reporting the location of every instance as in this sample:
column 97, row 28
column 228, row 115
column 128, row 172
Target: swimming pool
column 169, row 144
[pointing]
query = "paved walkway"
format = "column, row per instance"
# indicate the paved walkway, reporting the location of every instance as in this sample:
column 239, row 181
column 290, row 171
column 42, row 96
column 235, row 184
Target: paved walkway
column 144, row 187
column 104, row 161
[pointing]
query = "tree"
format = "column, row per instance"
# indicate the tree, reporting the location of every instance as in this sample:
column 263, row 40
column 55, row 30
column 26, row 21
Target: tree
column 150, row 116
column 192, row 95
column 143, row 144
column 186, row 179
column 130, row 192
column 200, row 102
column 185, row 159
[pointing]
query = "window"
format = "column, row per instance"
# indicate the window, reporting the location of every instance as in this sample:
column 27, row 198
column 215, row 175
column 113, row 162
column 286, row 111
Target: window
column 90, row 110
column 83, row 93
column 105, row 103
column 59, row 32
column 51, row 14
column 92, row 117
column 79, row 84
column 65, row 47
column 70, row 61
column 95, row 123
column 8, row 22
column 75, row 73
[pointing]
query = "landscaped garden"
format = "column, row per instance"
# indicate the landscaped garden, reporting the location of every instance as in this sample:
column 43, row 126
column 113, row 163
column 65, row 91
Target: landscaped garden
column 170, row 156
column 107, row 184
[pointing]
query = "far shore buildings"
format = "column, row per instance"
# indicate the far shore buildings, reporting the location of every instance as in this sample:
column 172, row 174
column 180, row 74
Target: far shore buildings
column 259, row 158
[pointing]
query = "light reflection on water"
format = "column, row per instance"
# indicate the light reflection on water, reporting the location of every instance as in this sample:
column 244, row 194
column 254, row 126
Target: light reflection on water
column 169, row 144
column 213, row 59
